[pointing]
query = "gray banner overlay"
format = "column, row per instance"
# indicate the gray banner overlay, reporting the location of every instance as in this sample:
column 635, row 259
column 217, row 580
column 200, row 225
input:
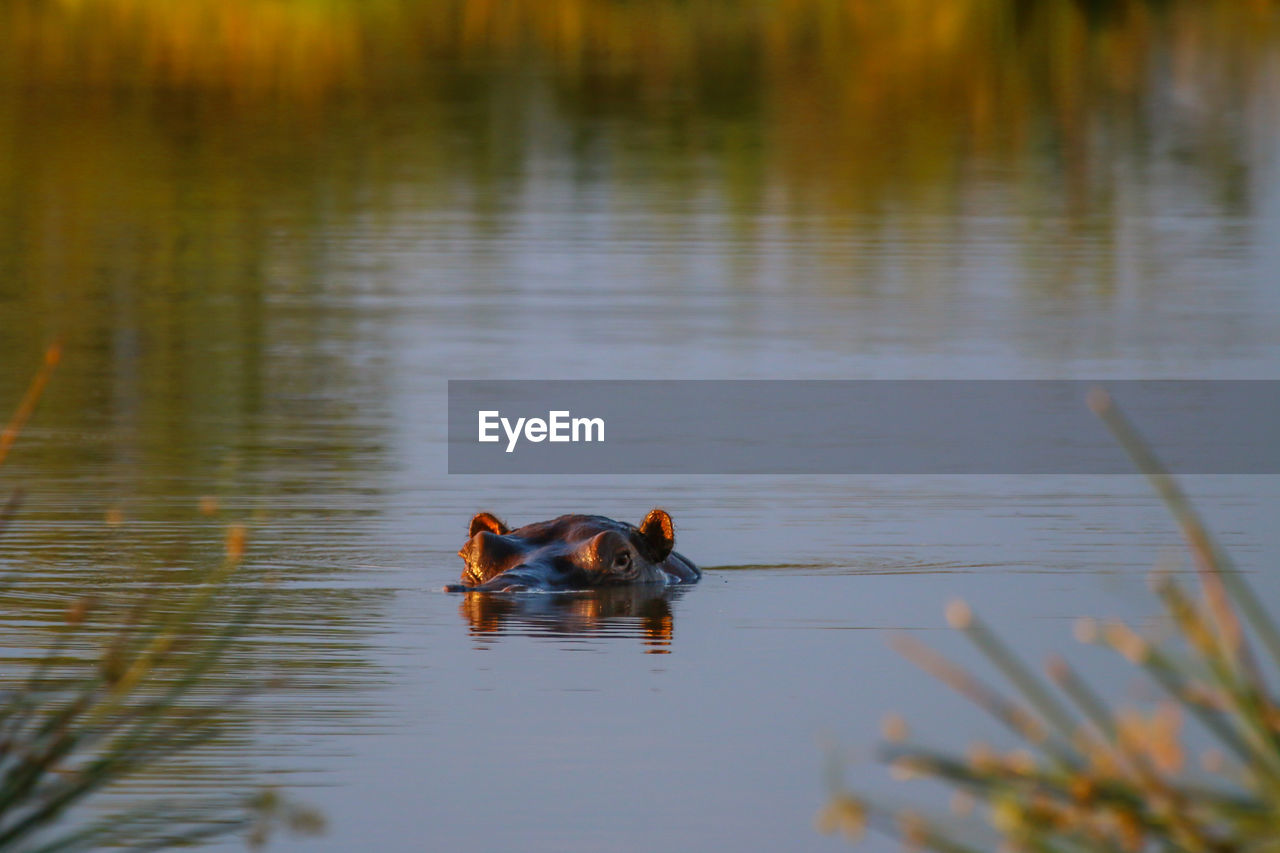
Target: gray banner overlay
column 856, row 427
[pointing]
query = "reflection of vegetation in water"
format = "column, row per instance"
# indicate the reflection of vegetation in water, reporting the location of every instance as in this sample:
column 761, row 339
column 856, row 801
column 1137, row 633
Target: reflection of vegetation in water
column 170, row 259
column 1092, row 777
column 294, row 46
column 214, row 149
column 863, row 84
column 73, row 726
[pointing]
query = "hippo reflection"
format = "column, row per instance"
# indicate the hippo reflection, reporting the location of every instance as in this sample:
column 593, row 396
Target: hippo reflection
column 572, row 552
column 643, row 612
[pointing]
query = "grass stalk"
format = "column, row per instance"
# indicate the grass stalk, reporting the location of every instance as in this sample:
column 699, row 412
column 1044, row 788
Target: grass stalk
column 27, row 405
column 1119, row 782
column 1216, row 572
column 1022, row 678
column 64, row 739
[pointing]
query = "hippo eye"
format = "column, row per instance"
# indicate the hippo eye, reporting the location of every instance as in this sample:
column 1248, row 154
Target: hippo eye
column 622, row 559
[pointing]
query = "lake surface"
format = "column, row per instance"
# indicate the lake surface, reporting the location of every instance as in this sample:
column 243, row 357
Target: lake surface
column 263, row 304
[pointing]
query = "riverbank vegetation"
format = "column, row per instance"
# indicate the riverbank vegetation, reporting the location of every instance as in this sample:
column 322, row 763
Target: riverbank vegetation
column 121, row 689
column 1196, row 770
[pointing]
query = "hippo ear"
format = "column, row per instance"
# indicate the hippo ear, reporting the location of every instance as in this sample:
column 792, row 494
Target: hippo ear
column 658, row 534
column 487, row 521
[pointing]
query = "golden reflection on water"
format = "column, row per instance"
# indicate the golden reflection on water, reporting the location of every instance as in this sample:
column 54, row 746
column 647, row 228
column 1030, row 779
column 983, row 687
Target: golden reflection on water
column 868, row 50
column 641, row 612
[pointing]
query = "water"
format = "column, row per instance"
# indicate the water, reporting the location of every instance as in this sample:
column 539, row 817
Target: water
column 263, row 305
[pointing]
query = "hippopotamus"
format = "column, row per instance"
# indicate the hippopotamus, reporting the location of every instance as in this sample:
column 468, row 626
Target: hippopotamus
column 572, row 552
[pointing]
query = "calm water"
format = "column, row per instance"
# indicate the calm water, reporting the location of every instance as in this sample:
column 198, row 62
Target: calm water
column 264, row 305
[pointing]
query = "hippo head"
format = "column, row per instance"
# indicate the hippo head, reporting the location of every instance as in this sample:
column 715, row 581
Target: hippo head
column 571, row 552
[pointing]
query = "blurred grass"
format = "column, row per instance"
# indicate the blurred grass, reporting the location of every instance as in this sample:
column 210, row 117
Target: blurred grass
column 1091, row 776
column 75, row 727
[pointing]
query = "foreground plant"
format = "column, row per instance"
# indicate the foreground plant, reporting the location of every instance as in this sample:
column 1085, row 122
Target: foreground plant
column 1091, row 777
column 77, row 724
